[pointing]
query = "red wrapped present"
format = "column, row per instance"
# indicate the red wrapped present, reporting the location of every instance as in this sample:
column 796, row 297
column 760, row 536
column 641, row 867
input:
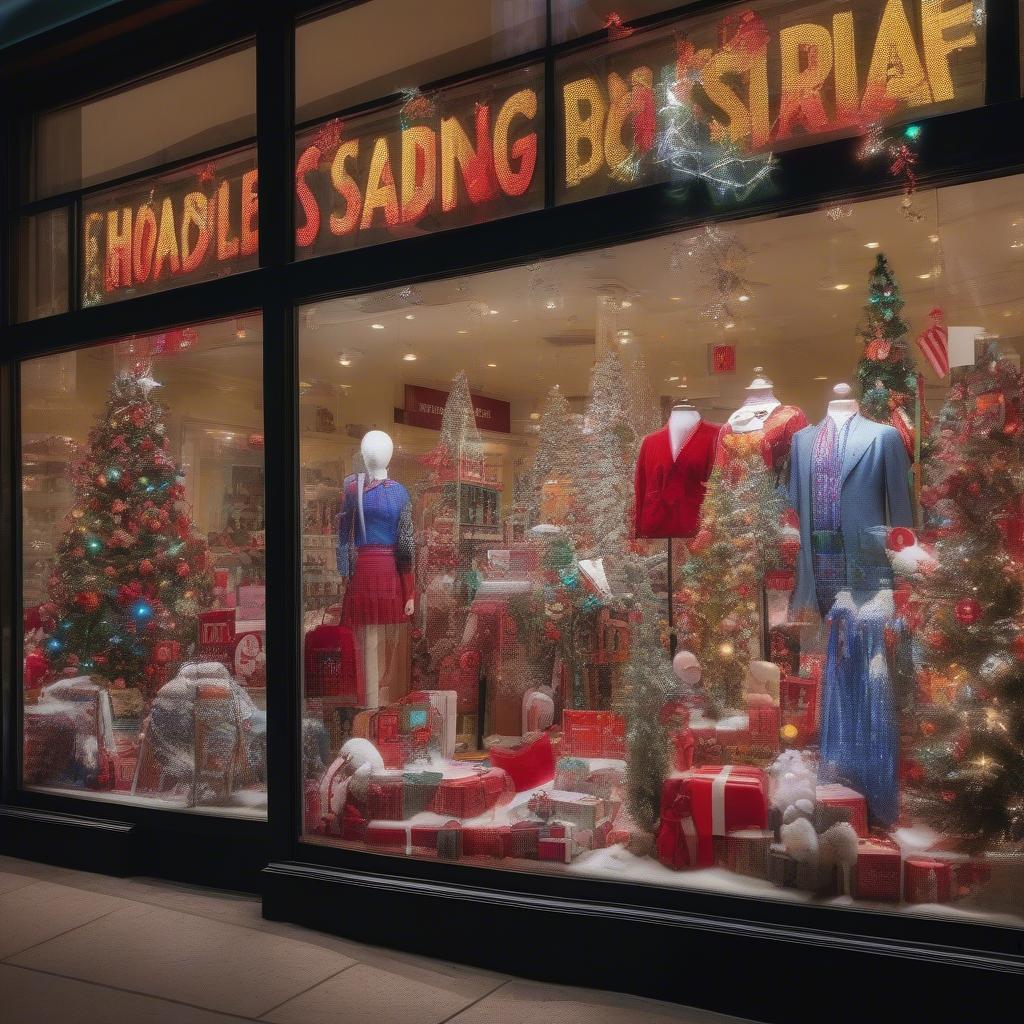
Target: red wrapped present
column 677, row 843
column 469, row 795
column 524, row 840
column 487, row 841
column 727, row 798
column 842, row 796
column 593, row 734
column 927, row 880
column 389, row 836
column 556, row 849
column 529, row 764
column 384, row 798
column 878, row 870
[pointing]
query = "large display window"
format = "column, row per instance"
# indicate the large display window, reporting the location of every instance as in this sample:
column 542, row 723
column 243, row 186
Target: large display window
column 694, row 562
column 143, row 570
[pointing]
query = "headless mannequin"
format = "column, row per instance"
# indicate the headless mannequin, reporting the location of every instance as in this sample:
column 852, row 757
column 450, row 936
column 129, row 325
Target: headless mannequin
column 376, row 449
column 756, row 407
column 842, row 407
column 682, row 422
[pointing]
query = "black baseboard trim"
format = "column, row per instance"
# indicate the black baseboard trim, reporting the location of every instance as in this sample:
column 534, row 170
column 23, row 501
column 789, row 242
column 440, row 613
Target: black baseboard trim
column 67, row 840
column 749, row 968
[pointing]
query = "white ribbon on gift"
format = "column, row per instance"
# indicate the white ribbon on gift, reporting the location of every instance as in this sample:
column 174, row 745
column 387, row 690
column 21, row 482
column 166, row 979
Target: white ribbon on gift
column 718, row 801
column 689, row 831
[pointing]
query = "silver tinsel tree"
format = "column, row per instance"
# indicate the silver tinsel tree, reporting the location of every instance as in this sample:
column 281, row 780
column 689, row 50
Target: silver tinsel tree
column 557, row 450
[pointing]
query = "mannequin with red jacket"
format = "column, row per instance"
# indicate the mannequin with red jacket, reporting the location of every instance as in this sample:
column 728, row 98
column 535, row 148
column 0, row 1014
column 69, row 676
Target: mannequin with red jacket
column 672, row 470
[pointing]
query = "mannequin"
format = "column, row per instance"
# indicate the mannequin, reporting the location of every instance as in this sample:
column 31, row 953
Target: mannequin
column 762, row 423
column 375, row 554
column 842, row 407
column 672, row 469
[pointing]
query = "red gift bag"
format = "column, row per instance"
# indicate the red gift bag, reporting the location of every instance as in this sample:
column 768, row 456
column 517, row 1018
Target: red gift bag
column 529, row 764
column 332, row 663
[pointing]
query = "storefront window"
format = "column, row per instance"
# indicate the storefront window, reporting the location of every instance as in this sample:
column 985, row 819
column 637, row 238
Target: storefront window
column 572, row 18
column 340, row 64
column 42, row 248
column 694, row 562
column 170, row 117
column 143, row 587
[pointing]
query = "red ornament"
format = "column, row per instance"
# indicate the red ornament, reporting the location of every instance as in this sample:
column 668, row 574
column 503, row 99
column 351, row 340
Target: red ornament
column 183, row 569
column 900, row 537
column 145, row 567
column 87, row 600
column 937, row 640
column 967, row 611
column 256, row 442
column 615, row 27
column 1018, row 646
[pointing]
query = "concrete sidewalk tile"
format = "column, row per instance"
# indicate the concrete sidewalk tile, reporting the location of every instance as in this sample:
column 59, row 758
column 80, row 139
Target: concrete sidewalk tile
column 197, row 960
column 527, row 1002
column 9, row 881
column 371, row 995
column 30, row 997
column 43, row 910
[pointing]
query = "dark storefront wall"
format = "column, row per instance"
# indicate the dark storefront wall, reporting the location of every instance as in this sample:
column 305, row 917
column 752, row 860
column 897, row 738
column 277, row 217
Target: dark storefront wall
column 678, row 945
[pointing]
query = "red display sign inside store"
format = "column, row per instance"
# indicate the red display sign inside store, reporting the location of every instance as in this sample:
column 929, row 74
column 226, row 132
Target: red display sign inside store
column 424, row 407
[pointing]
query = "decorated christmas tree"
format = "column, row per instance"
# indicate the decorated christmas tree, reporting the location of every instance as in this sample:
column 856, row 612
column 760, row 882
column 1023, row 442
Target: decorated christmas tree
column 737, row 543
column 556, row 454
column 886, row 371
column 971, row 750
column 649, row 685
column 131, row 573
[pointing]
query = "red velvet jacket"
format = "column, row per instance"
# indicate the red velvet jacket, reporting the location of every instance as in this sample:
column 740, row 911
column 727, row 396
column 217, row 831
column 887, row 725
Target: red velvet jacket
column 669, row 492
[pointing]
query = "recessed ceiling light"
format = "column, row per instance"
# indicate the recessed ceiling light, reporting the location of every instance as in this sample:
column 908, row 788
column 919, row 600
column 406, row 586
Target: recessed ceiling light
column 493, row 366
column 345, row 360
column 671, row 380
column 410, row 316
column 410, row 357
column 493, row 312
column 551, row 304
column 680, row 385
column 924, row 277
column 675, row 298
column 871, row 245
column 626, row 304
column 463, row 332
column 534, row 415
column 841, row 287
column 240, row 333
column 743, row 298
column 729, row 326
column 515, row 321
column 1017, row 245
column 377, row 327
column 821, row 378
column 933, row 239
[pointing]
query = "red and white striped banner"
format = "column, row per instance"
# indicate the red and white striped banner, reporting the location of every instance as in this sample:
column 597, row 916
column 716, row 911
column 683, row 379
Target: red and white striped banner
column 934, row 344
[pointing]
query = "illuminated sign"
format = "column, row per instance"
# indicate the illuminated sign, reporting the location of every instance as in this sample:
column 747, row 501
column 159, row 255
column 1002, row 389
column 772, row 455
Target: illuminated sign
column 714, row 89
column 456, row 157
column 424, row 407
column 196, row 223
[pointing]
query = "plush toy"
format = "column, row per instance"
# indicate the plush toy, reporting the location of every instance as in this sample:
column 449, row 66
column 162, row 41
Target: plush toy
column 800, row 841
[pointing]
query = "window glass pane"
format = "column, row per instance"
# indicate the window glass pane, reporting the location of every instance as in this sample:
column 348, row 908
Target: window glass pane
column 157, row 233
column 572, row 18
column 166, row 118
column 518, row 485
column 42, row 264
column 143, row 585
column 704, row 100
column 455, row 157
column 377, row 49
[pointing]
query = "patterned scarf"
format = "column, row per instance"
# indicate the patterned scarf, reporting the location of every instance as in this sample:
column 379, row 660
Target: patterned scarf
column 828, row 554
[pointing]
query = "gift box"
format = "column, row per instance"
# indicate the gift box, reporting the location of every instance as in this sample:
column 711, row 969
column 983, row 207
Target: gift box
column 529, row 764
column 786, row 872
column 677, row 844
column 571, row 773
column 487, row 841
column 836, row 795
column 926, row 880
column 418, row 791
column 878, row 870
column 606, row 783
column 727, row 798
column 449, row 841
column 744, row 852
column 384, row 799
column 593, row 734
column 388, row 836
column 524, row 840
column 470, row 795
column 555, row 849
column 799, row 704
column 579, row 809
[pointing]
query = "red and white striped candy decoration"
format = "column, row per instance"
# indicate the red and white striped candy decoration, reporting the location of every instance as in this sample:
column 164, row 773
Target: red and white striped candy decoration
column 934, row 344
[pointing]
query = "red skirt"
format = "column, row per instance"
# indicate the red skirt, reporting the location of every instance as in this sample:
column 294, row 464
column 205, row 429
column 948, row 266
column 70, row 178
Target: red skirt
column 374, row 596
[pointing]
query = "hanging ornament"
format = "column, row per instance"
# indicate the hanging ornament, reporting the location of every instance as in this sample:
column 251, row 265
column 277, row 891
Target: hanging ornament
column 967, row 611
column 328, row 138
column 206, row 173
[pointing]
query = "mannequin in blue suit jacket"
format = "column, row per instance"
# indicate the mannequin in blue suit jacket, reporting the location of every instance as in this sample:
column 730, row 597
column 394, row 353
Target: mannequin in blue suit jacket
column 875, row 493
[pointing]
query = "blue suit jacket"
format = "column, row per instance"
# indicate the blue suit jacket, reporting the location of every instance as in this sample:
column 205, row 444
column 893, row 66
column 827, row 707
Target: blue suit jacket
column 875, row 493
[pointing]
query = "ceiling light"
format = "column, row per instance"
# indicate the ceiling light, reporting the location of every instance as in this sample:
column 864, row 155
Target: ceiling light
column 534, row 415
column 729, row 326
column 410, row 316
column 821, row 378
column 675, row 298
column 377, row 327
column 841, row 287
column 494, row 312
column 515, row 321
column 463, row 331
column 345, row 359
column 933, row 239
column 1017, row 245
column 871, row 245
column 551, row 304
column 924, row 277
column 492, row 366
column 743, row 298
column 626, row 304
column 240, row 333
column 671, row 380
column 410, row 357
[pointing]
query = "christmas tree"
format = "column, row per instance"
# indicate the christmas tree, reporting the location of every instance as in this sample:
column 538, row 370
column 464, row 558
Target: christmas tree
column 886, row 371
column 649, row 685
column 737, row 543
column 971, row 752
column 557, row 450
column 131, row 573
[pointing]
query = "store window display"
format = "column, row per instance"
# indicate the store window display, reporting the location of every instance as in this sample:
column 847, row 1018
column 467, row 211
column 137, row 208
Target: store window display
column 144, row 595
column 747, row 625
